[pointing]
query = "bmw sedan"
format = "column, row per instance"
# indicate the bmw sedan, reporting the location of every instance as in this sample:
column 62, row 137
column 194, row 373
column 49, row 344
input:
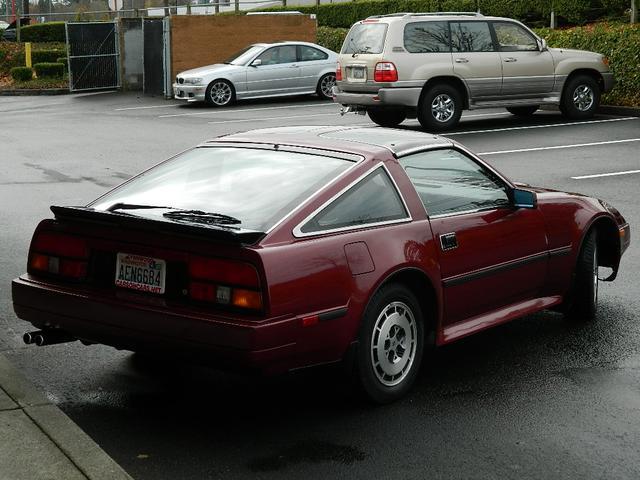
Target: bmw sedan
column 283, row 248
column 261, row 70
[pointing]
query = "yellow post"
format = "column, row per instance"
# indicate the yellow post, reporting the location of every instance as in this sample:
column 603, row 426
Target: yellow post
column 27, row 54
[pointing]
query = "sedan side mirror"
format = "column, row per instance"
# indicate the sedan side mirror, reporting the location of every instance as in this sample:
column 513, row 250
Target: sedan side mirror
column 523, row 198
column 256, row 63
column 542, row 45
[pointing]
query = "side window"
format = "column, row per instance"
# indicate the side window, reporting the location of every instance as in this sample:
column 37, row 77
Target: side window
column 513, row 38
column 276, row 55
column 309, row 54
column 373, row 199
column 427, row 37
column 471, row 37
column 449, row 182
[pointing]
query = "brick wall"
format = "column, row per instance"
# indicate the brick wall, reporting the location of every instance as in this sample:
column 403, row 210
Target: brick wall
column 198, row 40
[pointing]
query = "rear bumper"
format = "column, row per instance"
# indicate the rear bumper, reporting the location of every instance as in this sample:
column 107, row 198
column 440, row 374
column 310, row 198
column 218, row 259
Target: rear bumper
column 267, row 346
column 609, row 81
column 189, row 92
column 407, row 97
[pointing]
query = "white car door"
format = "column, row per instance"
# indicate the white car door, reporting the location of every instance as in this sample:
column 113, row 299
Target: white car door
column 276, row 73
column 312, row 62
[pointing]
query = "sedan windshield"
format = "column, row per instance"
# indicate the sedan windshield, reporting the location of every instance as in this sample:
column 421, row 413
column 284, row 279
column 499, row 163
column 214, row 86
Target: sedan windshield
column 243, row 56
column 365, row 38
column 254, row 187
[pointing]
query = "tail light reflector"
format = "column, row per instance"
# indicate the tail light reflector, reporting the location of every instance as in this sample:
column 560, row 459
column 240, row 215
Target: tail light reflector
column 338, row 72
column 225, row 282
column 385, row 72
column 58, row 254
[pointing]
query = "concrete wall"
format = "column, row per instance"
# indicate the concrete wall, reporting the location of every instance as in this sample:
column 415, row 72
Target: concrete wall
column 203, row 40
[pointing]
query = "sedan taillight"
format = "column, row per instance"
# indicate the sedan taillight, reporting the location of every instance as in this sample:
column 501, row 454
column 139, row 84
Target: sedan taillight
column 385, row 72
column 224, row 282
column 58, row 254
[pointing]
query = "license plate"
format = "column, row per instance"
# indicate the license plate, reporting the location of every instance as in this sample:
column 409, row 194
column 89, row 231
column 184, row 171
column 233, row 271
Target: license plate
column 140, row 273
column 358, row 73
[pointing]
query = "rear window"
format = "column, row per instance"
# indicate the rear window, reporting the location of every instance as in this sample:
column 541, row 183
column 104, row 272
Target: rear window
column 258, row 187
column 365, row 38
column 427, row 37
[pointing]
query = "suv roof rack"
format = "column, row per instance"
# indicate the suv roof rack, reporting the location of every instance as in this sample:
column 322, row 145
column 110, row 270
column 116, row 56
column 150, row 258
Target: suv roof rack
column 472, row 14
column 387, row 15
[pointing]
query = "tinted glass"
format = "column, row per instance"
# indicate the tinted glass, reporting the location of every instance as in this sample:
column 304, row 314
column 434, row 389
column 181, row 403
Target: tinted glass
column 243, row 56
column 426, row 37
column 514, row 38
column 471, row 37
column 365, row 38
column 448, row 181
column 277, row 55
column 373, row 199
column 258, row 187
column 309, row 54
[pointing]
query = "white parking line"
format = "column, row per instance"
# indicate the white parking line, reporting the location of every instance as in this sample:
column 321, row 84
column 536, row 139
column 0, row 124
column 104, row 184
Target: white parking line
column 272, row 118
column 151, row 106
column 557, row 147
column 213, row 112
column 613, row 174
column 506, row 129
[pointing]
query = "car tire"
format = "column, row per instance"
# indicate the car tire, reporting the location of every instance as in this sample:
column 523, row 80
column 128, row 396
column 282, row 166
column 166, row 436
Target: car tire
column 580, row 97
column 523, row 111
column 390, row 345
column 387, row 117
column 325, row 86
column 220, row 93
column 584, row 295
column 440, row 108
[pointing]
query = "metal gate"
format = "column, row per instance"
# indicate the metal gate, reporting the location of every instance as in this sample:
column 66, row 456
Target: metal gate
column 94, row 55
column 153, row 57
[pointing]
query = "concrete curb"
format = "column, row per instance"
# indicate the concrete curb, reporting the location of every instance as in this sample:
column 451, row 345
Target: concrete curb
column 28, row 92
column 77, row 446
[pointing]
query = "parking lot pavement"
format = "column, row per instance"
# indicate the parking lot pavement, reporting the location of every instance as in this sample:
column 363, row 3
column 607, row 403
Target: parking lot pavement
column 537, row 398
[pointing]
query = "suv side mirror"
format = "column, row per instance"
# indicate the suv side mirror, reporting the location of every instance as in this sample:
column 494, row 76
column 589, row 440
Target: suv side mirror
column 523, row 198
column 256, row 63
column 542, row 45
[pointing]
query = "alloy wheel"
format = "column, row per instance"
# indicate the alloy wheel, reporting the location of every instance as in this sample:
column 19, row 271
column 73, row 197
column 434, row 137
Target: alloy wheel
column 583, row 98
column 442, row 107
column 326, row 85
column 221, row 93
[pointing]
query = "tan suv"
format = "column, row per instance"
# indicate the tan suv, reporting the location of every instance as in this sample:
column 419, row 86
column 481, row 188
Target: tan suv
column 434, row 65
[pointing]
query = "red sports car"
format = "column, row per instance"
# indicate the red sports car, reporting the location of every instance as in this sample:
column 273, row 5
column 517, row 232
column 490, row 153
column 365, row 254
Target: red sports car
column 282, row 248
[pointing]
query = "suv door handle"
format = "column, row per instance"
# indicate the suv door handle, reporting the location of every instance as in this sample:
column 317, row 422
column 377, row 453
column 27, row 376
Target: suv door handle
column 510, row 59
column 293, row 66
column 462, row 60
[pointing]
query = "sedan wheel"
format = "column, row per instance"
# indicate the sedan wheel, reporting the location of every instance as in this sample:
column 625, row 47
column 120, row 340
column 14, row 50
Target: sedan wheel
column 220, row 93
column 390, row 344
column 325, row 86
column 584, row 298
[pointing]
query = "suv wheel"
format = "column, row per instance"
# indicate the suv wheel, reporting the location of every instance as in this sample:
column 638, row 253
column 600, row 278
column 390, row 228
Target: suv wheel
column 523, row 111
column 580, row 98
column 387, row 117
column 440, row 108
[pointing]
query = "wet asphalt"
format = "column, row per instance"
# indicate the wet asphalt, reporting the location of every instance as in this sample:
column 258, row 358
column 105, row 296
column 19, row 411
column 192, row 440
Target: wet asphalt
column 537, row 398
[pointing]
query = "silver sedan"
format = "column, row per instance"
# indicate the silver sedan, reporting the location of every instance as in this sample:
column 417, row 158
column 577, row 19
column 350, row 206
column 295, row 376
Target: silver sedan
column 261, row 70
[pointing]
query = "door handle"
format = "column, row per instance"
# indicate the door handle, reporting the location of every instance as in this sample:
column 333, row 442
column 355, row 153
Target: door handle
column 448, row 241
column 510, row 59
column 462, row 60
column 293, row 66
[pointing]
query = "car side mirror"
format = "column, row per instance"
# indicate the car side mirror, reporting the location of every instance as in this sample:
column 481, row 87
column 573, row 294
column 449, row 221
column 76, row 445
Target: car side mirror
column 523, row 198
column 542, row 45
column 256, row 63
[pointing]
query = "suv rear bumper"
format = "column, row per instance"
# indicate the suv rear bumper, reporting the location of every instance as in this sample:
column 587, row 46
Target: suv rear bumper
column 407, row 97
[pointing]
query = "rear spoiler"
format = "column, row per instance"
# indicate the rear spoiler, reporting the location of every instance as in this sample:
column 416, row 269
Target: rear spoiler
column 222, row 233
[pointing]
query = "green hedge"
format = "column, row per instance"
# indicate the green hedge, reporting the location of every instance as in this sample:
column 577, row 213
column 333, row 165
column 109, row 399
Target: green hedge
column 44, row 32
column 534, row 13
column 21, row 74
column 52, row 70
column 11, row 55
column 46, row 56
column 64, row 61
column 619, row 42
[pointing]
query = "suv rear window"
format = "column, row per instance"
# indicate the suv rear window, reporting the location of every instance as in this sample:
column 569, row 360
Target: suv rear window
column 365, row 38
column 427, row 37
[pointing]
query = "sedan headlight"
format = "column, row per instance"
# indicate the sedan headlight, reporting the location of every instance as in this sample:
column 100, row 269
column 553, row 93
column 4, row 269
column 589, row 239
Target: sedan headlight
column 193, row 80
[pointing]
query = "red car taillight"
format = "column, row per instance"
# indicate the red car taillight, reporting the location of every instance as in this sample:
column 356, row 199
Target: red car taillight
column 224, row 282
column 385, row 72
column 338, row 72
column 58, row 254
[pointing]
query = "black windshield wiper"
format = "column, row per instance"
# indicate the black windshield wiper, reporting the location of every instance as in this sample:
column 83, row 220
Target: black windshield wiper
column 132, row 206
column 198, row 216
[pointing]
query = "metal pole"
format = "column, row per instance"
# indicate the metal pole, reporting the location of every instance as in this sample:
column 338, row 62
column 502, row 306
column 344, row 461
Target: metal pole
column 634, row 12
column 237, row 6
column 18, row 20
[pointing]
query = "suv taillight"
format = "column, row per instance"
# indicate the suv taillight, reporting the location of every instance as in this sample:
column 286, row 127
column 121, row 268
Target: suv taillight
column 225, row 282
column 338, row 72
column 385, row 72
column 58, row 254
